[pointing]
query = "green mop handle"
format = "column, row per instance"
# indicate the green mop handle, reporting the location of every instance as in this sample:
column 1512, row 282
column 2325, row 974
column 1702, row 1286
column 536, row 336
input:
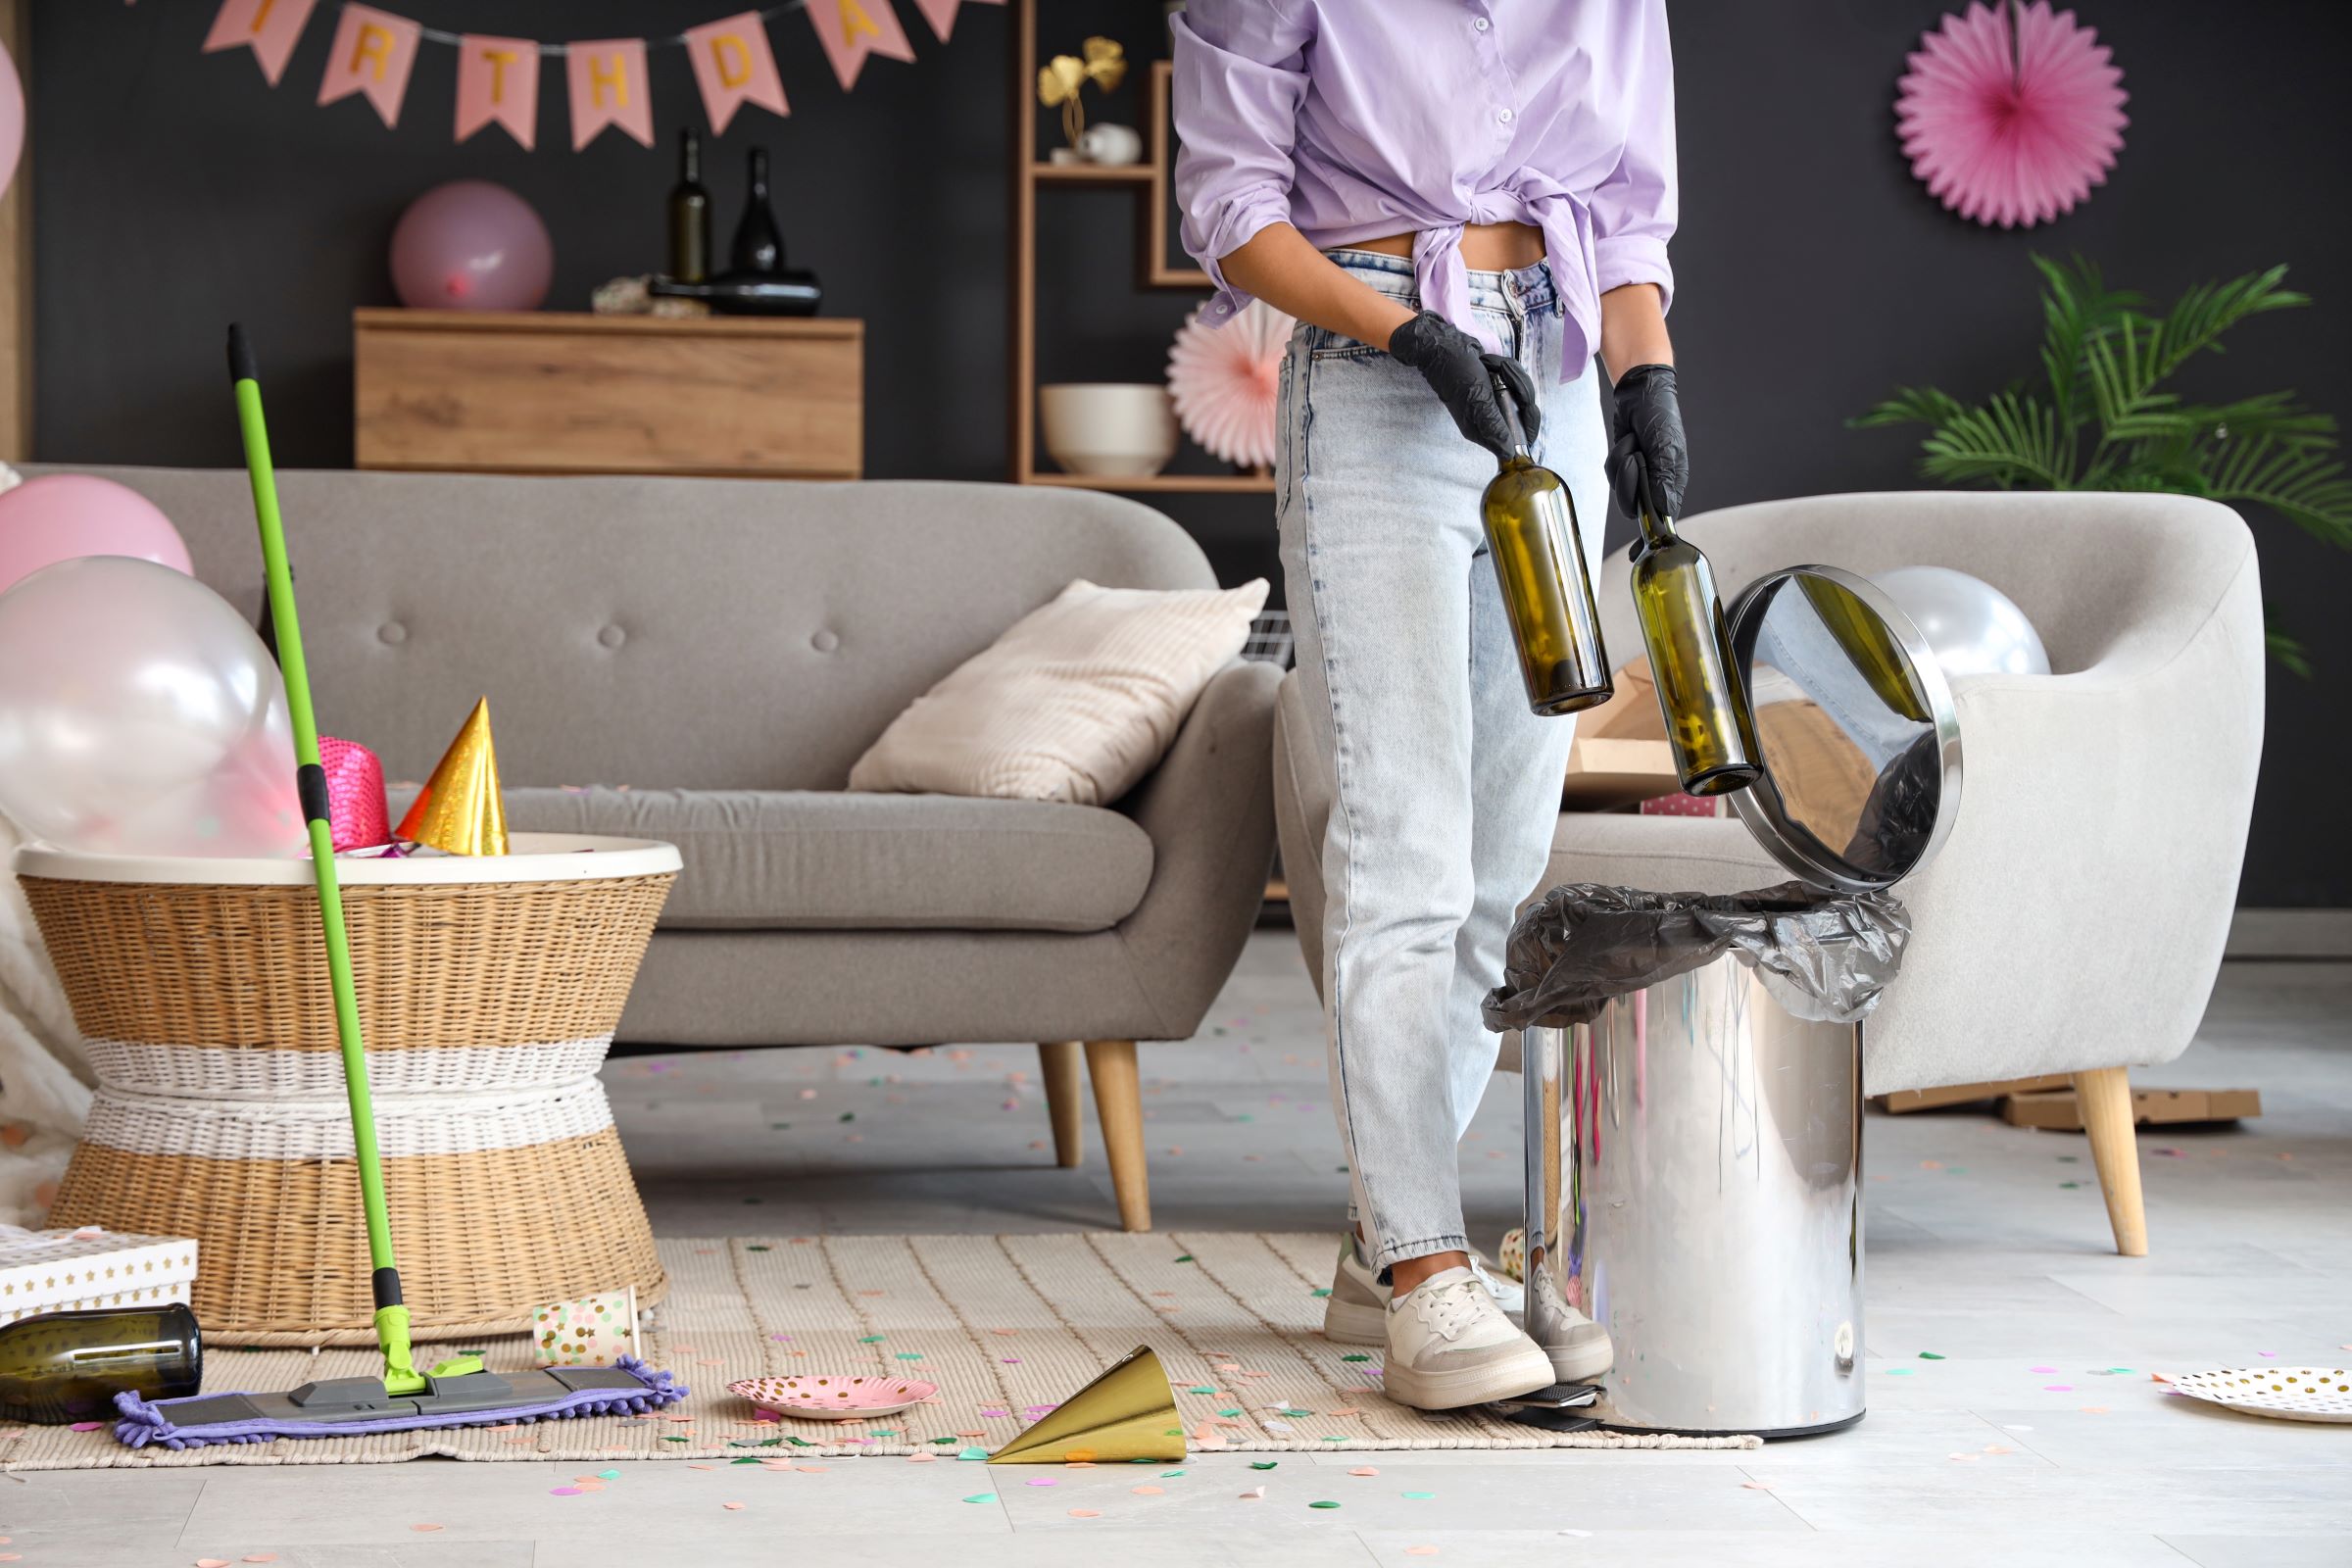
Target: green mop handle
column 391, row 1317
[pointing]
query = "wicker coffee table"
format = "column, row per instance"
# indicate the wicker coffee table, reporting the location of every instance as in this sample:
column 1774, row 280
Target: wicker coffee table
column 489, row 990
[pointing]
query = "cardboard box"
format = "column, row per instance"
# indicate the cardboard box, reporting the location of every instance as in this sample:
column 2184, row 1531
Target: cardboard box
column 2056, row 1110
column 1907, row 1099
column 69, row 1271
column 1620, row 755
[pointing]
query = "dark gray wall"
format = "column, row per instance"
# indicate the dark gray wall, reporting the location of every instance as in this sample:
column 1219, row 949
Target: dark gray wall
column 174, row 190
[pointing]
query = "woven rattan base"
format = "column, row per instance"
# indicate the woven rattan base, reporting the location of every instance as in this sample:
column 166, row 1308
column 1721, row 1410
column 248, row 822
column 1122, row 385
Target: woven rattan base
column 482, row 1236
column 486, row 1006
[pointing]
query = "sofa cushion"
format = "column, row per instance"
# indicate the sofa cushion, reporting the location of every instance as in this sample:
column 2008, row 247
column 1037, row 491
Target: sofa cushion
column 1075, row 703
column 787, row 859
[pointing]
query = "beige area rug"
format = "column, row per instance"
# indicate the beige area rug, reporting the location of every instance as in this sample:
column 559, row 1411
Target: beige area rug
column 1006, row 1325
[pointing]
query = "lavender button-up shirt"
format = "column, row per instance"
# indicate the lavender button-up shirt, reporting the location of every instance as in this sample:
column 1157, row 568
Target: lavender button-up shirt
column 1352, row 120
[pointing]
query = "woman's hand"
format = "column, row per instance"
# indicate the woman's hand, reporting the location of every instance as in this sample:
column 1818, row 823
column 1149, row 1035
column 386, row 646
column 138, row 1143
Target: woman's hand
column 1651, row 450
column 1281, row 268
column 1463, row 374
column 1639, row 358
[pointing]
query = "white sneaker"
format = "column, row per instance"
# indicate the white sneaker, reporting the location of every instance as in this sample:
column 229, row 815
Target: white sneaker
column 1578, row 1347
column 1451, row 1346
column 1357, row 1311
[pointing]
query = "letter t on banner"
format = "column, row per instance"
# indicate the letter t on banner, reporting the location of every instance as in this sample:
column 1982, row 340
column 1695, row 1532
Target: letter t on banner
column 607, row 80
column 734, row 66
column 498, row 84
column 271, row 28
column 941, row 14
column 373, row 54
column 851, row 29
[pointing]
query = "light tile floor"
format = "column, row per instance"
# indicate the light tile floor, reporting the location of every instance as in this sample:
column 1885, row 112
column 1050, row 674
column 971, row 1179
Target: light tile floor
column 1988, row 1247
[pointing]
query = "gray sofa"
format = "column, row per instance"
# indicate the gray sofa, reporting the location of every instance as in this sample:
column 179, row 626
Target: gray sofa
column 2075, row 919
column 717, row 653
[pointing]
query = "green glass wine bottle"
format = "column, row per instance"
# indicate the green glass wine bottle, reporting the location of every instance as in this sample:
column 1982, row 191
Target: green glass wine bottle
column 60, row 1367
column 1531, row 532
column 1708, row 722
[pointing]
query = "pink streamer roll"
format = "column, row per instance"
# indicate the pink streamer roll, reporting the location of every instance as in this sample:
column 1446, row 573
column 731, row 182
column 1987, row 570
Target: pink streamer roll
column 355, row 795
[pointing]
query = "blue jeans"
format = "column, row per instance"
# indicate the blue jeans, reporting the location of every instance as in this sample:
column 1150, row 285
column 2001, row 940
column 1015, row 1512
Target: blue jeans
column 1447, row 787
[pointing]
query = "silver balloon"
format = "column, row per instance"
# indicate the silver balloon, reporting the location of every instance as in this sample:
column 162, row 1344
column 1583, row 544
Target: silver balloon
column 139, row 714
column 1974, row 629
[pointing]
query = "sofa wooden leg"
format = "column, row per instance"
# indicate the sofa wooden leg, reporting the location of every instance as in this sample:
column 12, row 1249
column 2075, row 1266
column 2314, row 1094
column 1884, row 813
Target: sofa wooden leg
column 1119, row 1105
column 2105, row 1097
column 1064, row 1072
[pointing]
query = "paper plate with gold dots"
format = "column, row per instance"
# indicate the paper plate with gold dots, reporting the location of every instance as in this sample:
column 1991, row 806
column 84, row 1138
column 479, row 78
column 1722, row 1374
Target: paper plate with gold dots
column 2287, row 1393
column 835, row 1399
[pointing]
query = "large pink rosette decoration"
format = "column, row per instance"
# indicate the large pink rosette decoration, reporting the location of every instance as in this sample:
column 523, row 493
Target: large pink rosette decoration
column 2011, row 113
column 1224, row 382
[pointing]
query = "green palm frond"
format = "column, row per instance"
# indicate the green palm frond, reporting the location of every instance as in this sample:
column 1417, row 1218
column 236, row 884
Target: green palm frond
column 2305, row 486
column 2076, row 306
column 2009, row 441
column 2110, row 421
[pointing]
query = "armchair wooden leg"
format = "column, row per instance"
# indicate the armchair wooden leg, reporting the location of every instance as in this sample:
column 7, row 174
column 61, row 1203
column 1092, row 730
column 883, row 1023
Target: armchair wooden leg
column 1064, row 1072
column 1119, row 1105
column 2105, row 1097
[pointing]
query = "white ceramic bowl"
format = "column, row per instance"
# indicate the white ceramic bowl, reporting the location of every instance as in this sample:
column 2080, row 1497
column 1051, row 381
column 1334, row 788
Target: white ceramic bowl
column 1108, row 430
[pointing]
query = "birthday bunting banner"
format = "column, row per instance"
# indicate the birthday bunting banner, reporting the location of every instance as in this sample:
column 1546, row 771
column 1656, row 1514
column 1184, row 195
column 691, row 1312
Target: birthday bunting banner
column 374, row 53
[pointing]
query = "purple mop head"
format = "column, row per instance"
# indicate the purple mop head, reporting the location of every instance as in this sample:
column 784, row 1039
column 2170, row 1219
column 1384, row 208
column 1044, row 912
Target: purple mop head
column 349, row 1406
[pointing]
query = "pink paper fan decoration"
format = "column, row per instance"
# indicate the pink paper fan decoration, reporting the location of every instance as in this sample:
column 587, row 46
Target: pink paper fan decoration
column 2011, row 127
column 1224, row 382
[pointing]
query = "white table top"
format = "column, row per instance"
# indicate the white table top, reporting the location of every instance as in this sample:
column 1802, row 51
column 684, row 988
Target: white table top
column 533, row 858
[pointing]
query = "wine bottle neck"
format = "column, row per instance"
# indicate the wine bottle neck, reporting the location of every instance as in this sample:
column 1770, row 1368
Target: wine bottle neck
column 690, row 158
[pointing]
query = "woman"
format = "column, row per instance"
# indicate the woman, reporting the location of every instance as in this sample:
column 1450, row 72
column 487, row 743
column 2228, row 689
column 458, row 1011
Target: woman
column 1441, row 191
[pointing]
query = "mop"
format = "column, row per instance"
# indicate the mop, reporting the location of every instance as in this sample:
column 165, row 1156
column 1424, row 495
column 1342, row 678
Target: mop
column 454, row 1392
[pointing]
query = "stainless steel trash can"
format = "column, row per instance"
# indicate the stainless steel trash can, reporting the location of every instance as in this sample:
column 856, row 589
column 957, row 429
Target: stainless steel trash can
column 1694, row 1150
column 1695, row 1168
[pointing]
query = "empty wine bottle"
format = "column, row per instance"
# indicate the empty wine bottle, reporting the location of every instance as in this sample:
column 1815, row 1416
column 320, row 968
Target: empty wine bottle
column 1708, row 722
column 61, row 1367
column 759, row 243
column 1531, row 532
column 689, row 215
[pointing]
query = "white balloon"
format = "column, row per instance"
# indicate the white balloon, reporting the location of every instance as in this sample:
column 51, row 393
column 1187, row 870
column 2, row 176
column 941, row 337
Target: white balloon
column 1974, row 629
column 139, row 714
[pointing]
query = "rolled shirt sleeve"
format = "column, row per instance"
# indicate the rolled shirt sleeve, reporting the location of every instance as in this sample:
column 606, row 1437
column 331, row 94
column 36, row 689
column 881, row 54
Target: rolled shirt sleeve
column 1633, row 208
column 1239, row 78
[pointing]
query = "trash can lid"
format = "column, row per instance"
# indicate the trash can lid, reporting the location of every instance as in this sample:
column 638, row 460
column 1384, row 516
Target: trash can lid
column 1860, row 737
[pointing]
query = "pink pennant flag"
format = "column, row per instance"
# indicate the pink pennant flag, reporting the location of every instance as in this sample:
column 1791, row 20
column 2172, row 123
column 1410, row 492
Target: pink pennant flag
column 372, row 53
column 734, row 66
column 851, row 29
column 941, row 14
column 607, row 80
column 270, row 27
column 498, row 84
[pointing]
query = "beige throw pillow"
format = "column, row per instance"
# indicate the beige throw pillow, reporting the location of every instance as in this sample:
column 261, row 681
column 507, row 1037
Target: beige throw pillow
column 1076, row 701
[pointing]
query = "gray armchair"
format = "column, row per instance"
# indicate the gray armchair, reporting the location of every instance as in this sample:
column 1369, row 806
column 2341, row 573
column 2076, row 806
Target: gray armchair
column 723, row 651
column 2075, row 919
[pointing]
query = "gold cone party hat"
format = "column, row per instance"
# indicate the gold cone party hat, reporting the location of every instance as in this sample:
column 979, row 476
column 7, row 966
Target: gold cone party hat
column 1129, row 1412
column 459, row 810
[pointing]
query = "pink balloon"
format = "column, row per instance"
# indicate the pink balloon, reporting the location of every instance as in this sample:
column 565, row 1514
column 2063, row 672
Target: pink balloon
column 12, row 119
column 61, row 517
column 471, row 245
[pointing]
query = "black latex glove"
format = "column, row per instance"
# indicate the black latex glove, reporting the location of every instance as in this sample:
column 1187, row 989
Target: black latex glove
column 1649, row 442
column 1462, row 374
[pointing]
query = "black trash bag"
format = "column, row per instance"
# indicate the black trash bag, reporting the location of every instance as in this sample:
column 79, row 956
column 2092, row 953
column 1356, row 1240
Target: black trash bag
column 1823, row 957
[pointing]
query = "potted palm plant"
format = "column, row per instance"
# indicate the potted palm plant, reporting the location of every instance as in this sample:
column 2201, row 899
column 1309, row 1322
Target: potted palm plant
column 2103, row 416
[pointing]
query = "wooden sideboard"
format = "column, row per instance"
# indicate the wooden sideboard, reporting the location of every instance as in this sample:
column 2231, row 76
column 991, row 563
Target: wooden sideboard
column 559, row 392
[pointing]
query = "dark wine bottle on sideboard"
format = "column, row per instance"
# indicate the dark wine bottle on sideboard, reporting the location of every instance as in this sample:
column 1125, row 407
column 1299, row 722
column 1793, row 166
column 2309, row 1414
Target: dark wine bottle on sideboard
column 689, row 215
column 759, row 242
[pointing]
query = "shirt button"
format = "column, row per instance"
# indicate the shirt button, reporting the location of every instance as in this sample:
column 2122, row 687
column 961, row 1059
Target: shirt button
column 1504, row 116
column 1480, row 24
